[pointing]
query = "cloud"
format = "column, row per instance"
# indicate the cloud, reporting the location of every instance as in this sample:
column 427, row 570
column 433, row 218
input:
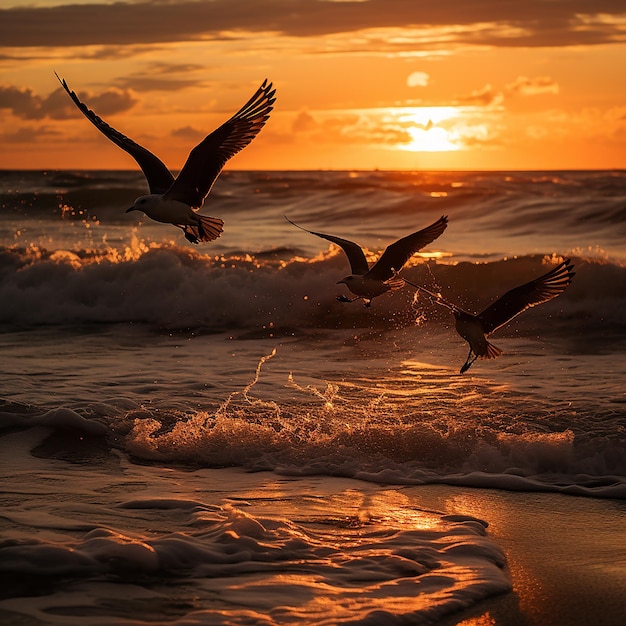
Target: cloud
column 348, row 129
column 303, row 123
column 24, row 103
column 148, row 83
column 418, row 79
column 28, row 135
column 163, row 76
column 188, row 132
column 532, row 86
column 529, row 23
column 484, row 97
column 111, row 101
column 487, row 96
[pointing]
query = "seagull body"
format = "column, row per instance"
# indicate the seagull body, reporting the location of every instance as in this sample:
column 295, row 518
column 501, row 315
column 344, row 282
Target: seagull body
column 176, row 200
column 368, row 283
column 195, row 226
column 471, row 328
column 476, row 328
column 367, row 287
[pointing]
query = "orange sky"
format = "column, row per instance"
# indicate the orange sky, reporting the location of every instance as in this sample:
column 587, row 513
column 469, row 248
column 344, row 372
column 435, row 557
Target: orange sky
column 361, row 84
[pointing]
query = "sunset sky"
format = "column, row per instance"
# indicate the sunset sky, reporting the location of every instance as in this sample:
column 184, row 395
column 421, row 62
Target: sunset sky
column 361, row 84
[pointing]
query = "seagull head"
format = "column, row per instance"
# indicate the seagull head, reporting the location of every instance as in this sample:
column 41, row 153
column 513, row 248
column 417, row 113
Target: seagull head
column 141, row 204
column 345, row 281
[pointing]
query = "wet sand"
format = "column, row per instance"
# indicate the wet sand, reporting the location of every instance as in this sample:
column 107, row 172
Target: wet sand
column 566, row 556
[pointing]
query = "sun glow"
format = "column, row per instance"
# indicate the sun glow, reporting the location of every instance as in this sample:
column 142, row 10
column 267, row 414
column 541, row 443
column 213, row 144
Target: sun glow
column 429, row 129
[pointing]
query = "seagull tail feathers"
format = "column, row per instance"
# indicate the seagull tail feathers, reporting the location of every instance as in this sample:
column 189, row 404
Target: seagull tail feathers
column 207, row 229
column 492, row 352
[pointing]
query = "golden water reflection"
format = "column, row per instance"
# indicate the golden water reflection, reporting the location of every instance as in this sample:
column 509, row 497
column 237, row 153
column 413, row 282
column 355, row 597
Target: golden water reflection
column 562, row 551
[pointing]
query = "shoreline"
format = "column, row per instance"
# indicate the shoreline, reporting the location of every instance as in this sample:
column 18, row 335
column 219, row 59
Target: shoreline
column 566, row 556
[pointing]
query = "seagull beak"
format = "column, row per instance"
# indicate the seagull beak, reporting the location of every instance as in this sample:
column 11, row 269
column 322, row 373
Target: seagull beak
column 341, row 282
column 132, row 208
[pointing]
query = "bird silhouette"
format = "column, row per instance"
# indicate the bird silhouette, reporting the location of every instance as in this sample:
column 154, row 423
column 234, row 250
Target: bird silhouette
column 476, row 328
column 368, row 283
column 175, row 200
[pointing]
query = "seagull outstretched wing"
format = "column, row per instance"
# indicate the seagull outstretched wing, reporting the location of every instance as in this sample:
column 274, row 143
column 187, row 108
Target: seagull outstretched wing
column 156, row 172
column 398, row 253
column 356, row 256
column 535, row 292
column 206, row 160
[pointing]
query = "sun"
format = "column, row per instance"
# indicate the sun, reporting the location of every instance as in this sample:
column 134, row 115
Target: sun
column 429, row 129
column 433, row 139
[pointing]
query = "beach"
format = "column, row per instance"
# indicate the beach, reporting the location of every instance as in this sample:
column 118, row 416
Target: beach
column 565, row 556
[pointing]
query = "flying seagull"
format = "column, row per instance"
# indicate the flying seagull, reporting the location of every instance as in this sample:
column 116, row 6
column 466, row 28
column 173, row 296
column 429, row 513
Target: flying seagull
column 366, row 282
column 476, row 328
column 177, row 200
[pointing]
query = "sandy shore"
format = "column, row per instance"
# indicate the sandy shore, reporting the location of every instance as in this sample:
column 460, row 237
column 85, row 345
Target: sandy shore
column 566, row 556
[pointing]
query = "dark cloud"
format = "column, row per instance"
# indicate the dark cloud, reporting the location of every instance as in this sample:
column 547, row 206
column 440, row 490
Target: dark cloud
column 188, row 132
column 528, row 23
column 28, row 134
column 24, row 103
column 155, row 83
column 97, row 53
column 114, row 52
column 110, row 101
column 162, row 76
column 164, row 69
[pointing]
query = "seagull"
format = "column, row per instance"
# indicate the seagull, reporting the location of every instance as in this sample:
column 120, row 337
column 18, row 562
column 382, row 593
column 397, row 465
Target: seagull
column 476, row 328
column 177, row 200
column 366, row 282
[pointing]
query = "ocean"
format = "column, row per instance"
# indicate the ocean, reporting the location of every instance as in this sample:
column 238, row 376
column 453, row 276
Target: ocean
column 206, row 435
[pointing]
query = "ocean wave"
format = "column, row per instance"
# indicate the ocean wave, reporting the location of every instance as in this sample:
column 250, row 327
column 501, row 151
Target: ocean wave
column 492, row 212
column 179, row 288
column 411, row 427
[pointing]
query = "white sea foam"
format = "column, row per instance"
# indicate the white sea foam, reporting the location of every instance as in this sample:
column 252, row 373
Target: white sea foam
column 266, row 555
